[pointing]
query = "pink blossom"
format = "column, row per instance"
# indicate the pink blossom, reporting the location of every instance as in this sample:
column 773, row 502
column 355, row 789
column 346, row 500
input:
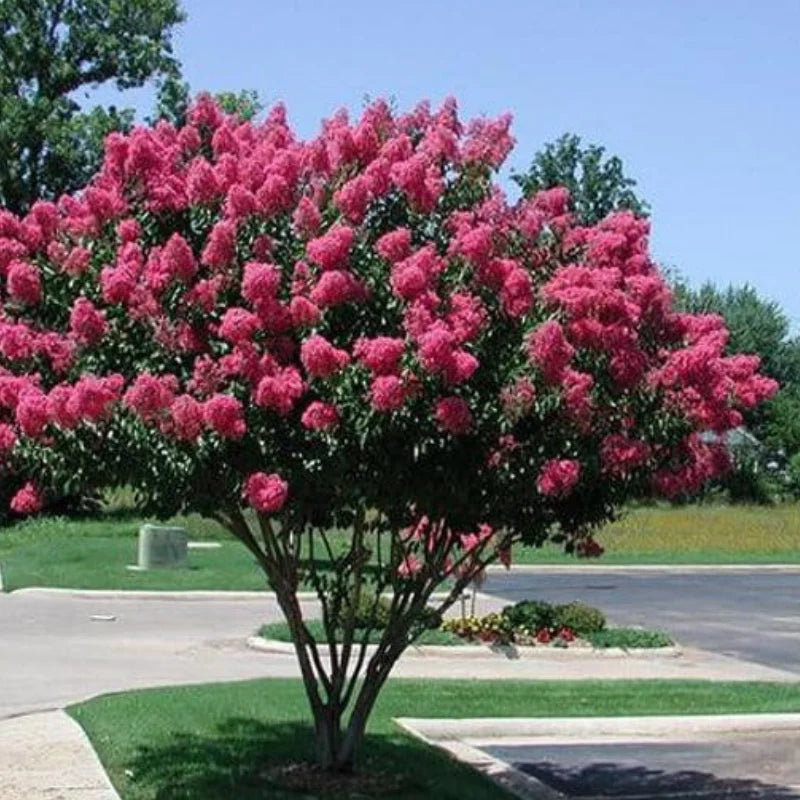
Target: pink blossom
column 204, row 294
column 516, row 296
column 412, row 276
column 380, row 355
column 409, row 566
column 330, row 250
column 320, row 358
column 335, row 287
column 220, row 245
column 93, row 398
column 303, row 312
column 619, row 454
column 558, row 477
column 178, row 258
column 353, row 198
column 266, row 493
column 453, row 415
column 77, row 261
column 395, row 245
column 577, row 387
column 31, row 413
column 28, row 500
column 186, row 414
column 238, row 325
column 260, row 282
column 7, row 439
column 320, row 416
column 280, row 392
column 223, row 414
column 387, row 393
column 202, row 186
column 518, row 399
column 306, row 218
column 549, row 350
column 24, row 283
column 275, row 195
column 86, row 323
column 150, row 396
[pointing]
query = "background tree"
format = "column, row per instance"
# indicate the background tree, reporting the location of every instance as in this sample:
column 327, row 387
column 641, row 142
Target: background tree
column 358, row 358
column 597, row 183
column 50, row 50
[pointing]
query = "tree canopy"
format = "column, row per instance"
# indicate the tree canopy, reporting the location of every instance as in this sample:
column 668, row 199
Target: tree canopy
column 597, row 183
column 357, row 333
column 50, row 50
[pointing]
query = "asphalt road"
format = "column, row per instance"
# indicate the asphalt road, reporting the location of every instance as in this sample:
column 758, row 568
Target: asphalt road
column 752, row 615
column 733, row 767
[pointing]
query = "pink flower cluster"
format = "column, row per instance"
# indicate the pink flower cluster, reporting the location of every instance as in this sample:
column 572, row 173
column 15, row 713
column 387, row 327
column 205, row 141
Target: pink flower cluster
column 372, row 268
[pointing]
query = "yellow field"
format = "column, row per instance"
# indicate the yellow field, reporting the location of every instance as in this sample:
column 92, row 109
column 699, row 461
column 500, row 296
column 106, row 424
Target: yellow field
column 733, row 529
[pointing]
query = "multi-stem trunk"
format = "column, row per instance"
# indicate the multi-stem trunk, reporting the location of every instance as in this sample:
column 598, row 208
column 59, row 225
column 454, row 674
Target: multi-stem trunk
column 342, row 677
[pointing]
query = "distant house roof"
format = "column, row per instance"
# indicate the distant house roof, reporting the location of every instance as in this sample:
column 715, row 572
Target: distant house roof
column 735, row 439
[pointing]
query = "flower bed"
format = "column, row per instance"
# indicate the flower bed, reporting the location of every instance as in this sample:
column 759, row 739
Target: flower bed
column 529, row 623
column 534, row 623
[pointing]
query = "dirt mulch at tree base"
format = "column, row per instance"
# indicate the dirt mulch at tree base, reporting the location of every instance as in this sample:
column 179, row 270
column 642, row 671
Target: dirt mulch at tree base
column 310, row 778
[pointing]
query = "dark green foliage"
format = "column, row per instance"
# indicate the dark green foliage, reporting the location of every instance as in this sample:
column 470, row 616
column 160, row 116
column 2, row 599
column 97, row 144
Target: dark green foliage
column 629, row 638
column 747, row 483
column 530, row 615
column 579, row 617
column 597, row 184
column 51, row 49
column 782, row 420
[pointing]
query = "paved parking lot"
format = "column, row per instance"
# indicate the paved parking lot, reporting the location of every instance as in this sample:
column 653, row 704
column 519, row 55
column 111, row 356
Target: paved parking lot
column 752, row 615
column 734, row 767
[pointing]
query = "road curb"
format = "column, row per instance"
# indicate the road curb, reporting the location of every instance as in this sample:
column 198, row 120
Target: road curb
column 167, row 594
column 464, row 739
column 496, row 652
column 533, row 569
column 137, row 594
column 583, row 728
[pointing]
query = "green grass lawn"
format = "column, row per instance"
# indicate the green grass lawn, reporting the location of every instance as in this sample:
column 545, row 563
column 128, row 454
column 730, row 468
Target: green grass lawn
column 279, row 631
column 217, row 741
column 93, row 553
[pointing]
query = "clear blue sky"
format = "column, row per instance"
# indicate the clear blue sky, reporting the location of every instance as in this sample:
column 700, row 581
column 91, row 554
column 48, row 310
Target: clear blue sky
column 700, row 99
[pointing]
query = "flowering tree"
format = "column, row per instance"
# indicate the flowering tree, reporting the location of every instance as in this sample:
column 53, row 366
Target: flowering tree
column 355, row 333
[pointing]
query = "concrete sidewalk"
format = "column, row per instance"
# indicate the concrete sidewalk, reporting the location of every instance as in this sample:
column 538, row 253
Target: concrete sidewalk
column 48, row 757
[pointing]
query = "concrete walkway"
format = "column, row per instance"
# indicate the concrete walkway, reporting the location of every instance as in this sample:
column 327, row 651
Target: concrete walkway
column 48, row 757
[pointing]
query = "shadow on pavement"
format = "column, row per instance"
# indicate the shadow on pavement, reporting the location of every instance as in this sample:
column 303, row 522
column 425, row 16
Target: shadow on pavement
column 612, row 780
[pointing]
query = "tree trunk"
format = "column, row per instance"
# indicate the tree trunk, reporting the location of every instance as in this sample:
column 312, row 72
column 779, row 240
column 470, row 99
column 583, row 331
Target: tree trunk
column 327, row 738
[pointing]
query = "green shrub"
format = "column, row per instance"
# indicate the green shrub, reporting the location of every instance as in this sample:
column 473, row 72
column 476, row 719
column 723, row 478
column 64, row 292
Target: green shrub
column 581, row 618
column 747, row 483
column 629, row 638
column 367, row 612
column 530, row 615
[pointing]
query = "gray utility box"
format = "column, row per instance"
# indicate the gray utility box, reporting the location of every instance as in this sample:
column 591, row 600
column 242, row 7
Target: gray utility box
column 162, row 547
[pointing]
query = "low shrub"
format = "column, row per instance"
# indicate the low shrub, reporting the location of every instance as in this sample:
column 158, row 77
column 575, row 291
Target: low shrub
column 579, row 617
column 531, row 615
column 629, row 638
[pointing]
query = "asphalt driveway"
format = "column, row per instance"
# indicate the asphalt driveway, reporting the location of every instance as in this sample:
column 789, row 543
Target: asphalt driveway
column 751, row 615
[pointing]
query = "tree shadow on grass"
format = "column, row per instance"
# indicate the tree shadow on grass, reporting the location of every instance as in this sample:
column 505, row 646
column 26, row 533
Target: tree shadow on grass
column 238, row 760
